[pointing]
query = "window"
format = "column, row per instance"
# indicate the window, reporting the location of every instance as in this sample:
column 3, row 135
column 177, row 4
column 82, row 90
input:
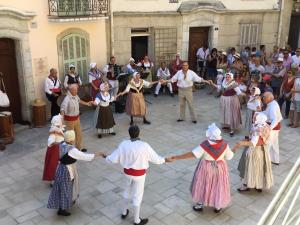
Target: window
column 165, row 40
column 250, row 35
column 74, row 50
column 173, row 1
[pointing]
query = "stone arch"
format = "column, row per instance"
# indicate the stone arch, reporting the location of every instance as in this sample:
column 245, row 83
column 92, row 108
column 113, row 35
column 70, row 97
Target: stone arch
column 14, row 25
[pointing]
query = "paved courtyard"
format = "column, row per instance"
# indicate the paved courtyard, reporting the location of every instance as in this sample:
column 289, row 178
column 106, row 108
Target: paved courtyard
column 167, row 200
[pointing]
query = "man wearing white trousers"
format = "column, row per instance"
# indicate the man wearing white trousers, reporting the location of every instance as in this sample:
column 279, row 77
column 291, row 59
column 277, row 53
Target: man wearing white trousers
column 274, row 118
column 134, row 156
column 163, row 73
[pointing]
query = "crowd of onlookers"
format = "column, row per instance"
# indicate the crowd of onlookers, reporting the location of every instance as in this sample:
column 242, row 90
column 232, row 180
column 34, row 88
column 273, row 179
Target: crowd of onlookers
column 277, row 72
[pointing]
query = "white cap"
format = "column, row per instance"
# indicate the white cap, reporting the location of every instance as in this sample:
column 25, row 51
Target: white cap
column 72, row 66
column 93, row 65
column 131, row 60
column 213, row 132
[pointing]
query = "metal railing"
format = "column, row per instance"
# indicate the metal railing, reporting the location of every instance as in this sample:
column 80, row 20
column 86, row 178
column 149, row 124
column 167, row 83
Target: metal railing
column 285, row 206
column 78, row 8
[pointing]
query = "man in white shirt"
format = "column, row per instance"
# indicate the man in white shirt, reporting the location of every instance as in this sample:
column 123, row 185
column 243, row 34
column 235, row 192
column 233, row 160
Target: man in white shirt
column 53, row 91
column 202, row 54
column 274, row 118
column 163, row 73
column 134, row 156
column 185, row 79
column 296, row 57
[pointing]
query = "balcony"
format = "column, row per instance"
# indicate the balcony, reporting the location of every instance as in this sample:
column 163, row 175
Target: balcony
column 72, row 9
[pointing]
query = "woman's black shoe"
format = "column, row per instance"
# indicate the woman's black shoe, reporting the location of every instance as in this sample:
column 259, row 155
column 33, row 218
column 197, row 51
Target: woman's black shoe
column 147, row 122
column 62, row 212
column 84, row 150
column 99, row 136
column 124, row 216
column 198, row 208
column 143, row 221
column 112, row 133
column 218, row 210
column 258, row 190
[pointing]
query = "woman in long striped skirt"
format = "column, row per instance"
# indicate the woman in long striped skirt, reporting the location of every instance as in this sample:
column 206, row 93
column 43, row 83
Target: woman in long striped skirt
column 210, row 185
column 258, row 168
column 65, row 187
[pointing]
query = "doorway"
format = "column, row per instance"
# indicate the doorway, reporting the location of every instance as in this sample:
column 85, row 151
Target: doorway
column 8, row 67
column 139, row 47
column 294, row 33
column 198, row 36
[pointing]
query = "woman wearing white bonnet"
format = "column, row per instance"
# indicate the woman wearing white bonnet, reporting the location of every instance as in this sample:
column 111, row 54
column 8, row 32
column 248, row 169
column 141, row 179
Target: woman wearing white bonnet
column 104, row 119
column 135, row 102
column 210, row 185
column 256, row 168
column 254, row 105
column 72, row 77
column 231, row 117
column 66, row 186
column 56, row 136
column 95, row 79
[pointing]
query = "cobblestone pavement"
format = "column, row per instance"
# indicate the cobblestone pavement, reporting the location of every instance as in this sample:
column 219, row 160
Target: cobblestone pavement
column 167, row 200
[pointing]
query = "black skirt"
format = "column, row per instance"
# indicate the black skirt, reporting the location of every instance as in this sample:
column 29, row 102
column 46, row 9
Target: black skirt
column 105, row 118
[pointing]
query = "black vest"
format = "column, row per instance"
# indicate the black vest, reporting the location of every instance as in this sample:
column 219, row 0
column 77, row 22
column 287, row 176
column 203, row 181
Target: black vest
column 73, row 80
column 67, row 160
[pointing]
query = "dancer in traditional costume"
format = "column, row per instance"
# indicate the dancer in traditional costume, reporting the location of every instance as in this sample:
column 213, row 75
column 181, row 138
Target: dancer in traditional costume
column 134, row 156
column 135, row 102
column 104, row 118
column 230, row 104
column 254, row 105
column 95, row 79
column 274, row 120
column 210, row 185
column 256, row 169
column 65, row 189
column 56, row 136
column 72, row 77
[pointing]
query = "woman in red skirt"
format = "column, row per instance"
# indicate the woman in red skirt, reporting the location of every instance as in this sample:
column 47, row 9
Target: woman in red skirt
column 56, row 136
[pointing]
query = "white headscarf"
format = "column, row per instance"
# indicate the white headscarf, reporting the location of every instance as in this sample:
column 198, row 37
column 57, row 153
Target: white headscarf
column 69, row 135
column 135, row 74
column 231, row 75
column 56, row 120
column 257, row 91
column 93, row 65
column 72, row 66
column 260, row 119
column 213, row 132
column 102, row 86
column 131, row 60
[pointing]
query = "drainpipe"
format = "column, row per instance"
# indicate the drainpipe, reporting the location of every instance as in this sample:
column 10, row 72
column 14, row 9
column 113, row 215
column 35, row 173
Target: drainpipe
column 281, row 7
column 112, row 36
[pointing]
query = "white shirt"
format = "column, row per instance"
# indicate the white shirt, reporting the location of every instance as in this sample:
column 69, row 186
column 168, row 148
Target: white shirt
column 70, row 105
column 296, row 59
column 129, row 69
column 253, row 104
column 297, row 87
column 273, row 113
column 191, row 77
column 105, row 100
column 135, row 155
column 199, row 152
column 49, row 85
column 201, row 54
column 243, row 87
column 145, row 84
column 163, row 74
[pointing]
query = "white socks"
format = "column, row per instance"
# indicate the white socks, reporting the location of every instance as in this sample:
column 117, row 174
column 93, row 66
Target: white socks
column 137, row 214
column 125, row 206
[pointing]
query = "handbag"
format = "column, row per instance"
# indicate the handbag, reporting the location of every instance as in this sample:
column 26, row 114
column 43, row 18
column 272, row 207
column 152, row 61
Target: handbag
column 4, row 101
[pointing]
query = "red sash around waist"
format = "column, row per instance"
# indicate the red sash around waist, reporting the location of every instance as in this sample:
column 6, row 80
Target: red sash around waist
column 71, row 118
column 133, row 172
column 277, row 127
column 56, row 90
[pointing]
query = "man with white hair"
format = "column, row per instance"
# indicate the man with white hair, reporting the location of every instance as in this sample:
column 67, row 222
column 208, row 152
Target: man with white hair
column 65, row 189
column 70, row 111
column 274, row 118
column 134, row 156
column 112, row 71
column 131, row 66
column 72, row 77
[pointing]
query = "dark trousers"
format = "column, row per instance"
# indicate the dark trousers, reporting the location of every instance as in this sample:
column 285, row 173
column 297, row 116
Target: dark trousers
column 281, row 100
column 55, row 109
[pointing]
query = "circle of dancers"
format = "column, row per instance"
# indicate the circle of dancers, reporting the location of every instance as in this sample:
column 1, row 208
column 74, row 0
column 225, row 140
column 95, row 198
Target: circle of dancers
column 210, row 186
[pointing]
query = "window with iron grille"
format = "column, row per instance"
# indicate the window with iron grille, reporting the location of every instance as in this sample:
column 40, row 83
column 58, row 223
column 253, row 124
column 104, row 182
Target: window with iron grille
column 173, row 1
column 74, row 50
column 165, row 44
column 250, row 35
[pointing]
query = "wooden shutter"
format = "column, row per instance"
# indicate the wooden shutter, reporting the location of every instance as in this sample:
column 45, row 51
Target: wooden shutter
column 249, row 35
column 74, row 52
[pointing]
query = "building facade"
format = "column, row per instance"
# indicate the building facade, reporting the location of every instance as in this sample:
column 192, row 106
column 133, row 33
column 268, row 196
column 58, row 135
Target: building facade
column 36, row 35
column 40, row 34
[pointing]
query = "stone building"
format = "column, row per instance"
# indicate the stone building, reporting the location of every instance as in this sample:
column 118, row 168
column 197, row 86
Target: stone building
column 36, row 35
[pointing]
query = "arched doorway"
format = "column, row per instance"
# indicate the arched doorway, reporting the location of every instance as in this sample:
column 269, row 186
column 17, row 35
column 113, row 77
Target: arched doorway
column 8, row 67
